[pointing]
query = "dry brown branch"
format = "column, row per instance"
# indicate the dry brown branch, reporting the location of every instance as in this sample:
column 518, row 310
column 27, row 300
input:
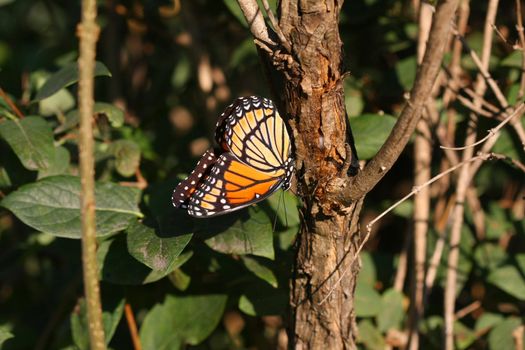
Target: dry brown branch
column 455, row 62
column 255, row 19
column 483, row 70
column 365, row 180
column 480, row 157
column 11, row 104
column 517, row 334
column 464, row 176
column 422, row 173
column 401, row 272
column 88, row 32
column 518, row 111
column 521, row 35
column 276, row 27
column 132, row 325
column 467, row 310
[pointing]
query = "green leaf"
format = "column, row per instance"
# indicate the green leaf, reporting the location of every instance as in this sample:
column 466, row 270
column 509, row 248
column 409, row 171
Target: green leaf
column 52, row 205
column 285, row 205
column 520, row 260
column 260, row 299
column 65, row 77
column 463, row 336
column 158, row 247
column 31, row 139
column 507, row 145
column 489, row 255
column 114, row 114
column 246, row 232
column 354, row 102
column 368, row 273
column 117, row 266
column 391, row 312
column 60, row 102
column 500, row 337
column 367, row 301
column 234, row 8
column 371, row 132
column 59, row 165
column 112, row 310
column 487, row 321
column 260, row 270
column 432, row 328
column 181, row 320
column 179, row 279
column 4, row 336
column 181, row 73
column 244, row 54
column 406, row 73
column 370, row 336
column 509, row 279
column 513, row 60
column 127, row 156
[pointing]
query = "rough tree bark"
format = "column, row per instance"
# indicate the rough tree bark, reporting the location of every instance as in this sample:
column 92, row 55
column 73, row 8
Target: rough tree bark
column 304, row 61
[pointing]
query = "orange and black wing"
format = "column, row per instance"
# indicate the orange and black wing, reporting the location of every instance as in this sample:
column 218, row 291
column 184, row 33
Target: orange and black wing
column 252, row 129
column 186, row 188
column 231, row 185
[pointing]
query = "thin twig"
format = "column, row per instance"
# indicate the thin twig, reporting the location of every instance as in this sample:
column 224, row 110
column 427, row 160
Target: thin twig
column 481, row 156
column 521, row 35
column 484, row 72
column 467, row 310
column 426, row 75
column 464, row 175
column 392, row 207
column 11, row 104
column 132, row 325
column 422, row 173
column 513, row 161
column 517, row 334
column 493, row 131
column 252, row 13
column 88, row 32
column 502, row 37
column 276, row 27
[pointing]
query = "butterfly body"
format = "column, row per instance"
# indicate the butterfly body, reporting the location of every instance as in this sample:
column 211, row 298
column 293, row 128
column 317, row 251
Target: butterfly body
column 254, row 160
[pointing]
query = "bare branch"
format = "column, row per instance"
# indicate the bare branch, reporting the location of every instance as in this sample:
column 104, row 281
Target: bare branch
column 88, row 32
column 276, row 27
column 493, row 131
column 484, row 72
column 365, row 180
column 251, row 11
column 519, row 28
column 11, row 104
column 464, row 178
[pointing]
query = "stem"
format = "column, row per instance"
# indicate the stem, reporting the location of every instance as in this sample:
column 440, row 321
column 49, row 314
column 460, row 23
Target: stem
column 422, row 159
column 464, row 178
column 132, row 325
column 11, row 104
column 88, row 31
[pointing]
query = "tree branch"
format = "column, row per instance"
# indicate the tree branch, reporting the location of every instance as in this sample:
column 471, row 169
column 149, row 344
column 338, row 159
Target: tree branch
column 251, row 11
column 88, row 32
column 365, row 180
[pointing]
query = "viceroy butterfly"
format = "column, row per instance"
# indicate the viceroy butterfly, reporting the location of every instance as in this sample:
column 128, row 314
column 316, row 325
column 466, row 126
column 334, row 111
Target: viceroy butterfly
column 253, row 161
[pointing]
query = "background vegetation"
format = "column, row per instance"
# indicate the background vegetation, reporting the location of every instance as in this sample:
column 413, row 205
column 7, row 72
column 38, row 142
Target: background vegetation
column 166, row 70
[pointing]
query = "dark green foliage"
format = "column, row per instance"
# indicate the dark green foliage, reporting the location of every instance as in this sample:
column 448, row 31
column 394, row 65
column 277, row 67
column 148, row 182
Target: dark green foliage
column 218, row 283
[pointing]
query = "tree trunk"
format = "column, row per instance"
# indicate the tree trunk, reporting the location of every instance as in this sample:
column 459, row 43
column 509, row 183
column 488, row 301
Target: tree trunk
column 304, row 63
column 330, row 233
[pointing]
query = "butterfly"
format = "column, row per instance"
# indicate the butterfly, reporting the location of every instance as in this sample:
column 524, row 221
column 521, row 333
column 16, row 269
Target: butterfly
column 252, row 161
